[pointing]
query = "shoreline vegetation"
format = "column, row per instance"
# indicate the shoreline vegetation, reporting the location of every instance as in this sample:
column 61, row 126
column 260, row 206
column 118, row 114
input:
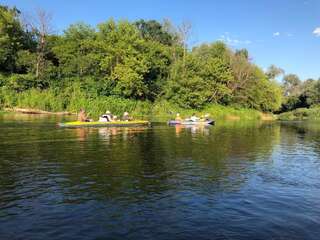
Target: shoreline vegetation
column 231, row 114
column 144, row 67
column 48, row 102
column 160, row 111
column 298, row 114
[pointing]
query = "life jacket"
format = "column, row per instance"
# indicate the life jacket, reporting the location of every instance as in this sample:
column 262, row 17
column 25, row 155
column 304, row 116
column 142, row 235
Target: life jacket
column 108, row 117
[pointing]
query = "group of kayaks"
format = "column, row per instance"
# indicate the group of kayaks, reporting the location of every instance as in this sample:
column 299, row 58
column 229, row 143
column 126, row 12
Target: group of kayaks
column 133, row 123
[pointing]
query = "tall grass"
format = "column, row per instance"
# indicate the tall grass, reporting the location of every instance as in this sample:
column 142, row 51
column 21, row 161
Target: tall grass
column 72, row 99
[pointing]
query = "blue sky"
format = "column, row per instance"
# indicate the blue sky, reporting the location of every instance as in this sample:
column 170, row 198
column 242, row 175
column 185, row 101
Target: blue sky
column 280, row 32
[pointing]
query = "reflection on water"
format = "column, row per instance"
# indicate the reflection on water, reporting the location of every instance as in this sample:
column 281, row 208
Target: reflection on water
column 195, row 130
column 235, row 180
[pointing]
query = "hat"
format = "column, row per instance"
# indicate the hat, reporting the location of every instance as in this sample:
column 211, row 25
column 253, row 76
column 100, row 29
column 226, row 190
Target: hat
column 108, row 112
column 125, row 113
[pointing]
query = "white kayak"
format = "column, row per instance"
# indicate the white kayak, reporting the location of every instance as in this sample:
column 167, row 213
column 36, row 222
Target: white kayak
column 189, row 122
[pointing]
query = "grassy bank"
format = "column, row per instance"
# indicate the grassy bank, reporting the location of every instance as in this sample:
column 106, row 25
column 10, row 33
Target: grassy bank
column 301, row 114
column 73, row 99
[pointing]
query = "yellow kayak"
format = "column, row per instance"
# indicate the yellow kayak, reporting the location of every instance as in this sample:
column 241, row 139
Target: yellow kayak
column 135, row 123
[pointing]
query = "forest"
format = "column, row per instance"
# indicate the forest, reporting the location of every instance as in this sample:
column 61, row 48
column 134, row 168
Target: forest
column 134, row 66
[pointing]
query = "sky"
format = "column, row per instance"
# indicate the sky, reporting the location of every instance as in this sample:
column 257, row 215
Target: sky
column 281, row 32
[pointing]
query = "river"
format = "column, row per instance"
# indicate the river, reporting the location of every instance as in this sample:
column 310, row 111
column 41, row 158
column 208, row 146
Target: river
column 235, row 180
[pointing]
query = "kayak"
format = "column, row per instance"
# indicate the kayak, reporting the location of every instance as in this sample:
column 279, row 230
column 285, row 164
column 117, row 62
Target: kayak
column 136, row 123
column 184, row 122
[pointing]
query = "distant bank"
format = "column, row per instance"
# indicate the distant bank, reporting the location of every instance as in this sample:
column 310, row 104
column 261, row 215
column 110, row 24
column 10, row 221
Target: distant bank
column 159, row 111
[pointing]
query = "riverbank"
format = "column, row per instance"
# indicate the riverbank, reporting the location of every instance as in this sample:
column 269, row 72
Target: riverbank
column 70, row 101
column 161, row 112
column 34, row 111
column 301, row 114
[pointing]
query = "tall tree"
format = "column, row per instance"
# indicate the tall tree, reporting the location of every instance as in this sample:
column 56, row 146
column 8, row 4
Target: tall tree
column 184, row 31
column 242, row 72
column 11, row 38
column 153, row 30
column 40, row 25
column 292, row 84
column 273, row 72
column 76, row 52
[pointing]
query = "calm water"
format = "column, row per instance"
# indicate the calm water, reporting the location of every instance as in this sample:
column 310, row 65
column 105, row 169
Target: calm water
column 230, row 181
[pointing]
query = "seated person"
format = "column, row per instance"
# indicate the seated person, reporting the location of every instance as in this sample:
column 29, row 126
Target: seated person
column 194, row 118
column 82, row 116
column 126, row 117
column 107, row 117
column 206, row 117
column 178, row 118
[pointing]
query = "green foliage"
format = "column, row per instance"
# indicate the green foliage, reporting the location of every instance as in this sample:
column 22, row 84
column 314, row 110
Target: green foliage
column 21, row 82
column 311, row 92
column 44, row 100
column 3, row 80
column 121, row 65
column 25, row 61
column 261, row 93
column 274, row 71
column 11, row 38
column 214, row 50
column 300, row 94
column 164, row 110
column 301, row 114
column 8, row 98
column 195, row 83
column 153, row 30
column 74, row 53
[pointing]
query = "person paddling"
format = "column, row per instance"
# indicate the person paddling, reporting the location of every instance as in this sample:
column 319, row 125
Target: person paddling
column 206, row 117
column 194, row 118
column 82, row 116
column 126, row 117
column 178, row 118
column 107, row 117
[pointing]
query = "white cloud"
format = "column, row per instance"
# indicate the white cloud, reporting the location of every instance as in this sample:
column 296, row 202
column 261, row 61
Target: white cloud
column 277, row 34
column 317, row 32
column 233, row 41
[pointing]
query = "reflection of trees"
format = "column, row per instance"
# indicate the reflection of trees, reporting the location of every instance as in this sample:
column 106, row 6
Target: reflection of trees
column 137, row 162
column 227, row 154
column 156, row 160
column 302, row 129
column 116, row 162
column 303, row 132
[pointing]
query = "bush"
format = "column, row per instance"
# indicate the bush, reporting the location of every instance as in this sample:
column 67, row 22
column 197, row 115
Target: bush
column 8, row 98
column 21, row 82
column 44, row 100
column 301, row 114
column 3, row 80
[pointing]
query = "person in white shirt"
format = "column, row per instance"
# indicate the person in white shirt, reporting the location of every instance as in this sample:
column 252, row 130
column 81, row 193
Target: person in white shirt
column 107, row 117
column 194, row 118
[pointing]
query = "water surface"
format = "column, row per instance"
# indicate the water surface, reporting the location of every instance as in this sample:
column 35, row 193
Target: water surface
column 232, row 181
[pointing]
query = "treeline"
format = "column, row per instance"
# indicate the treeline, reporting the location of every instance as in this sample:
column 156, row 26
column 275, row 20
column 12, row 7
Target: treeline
column 300, row 94
column 143, row 60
